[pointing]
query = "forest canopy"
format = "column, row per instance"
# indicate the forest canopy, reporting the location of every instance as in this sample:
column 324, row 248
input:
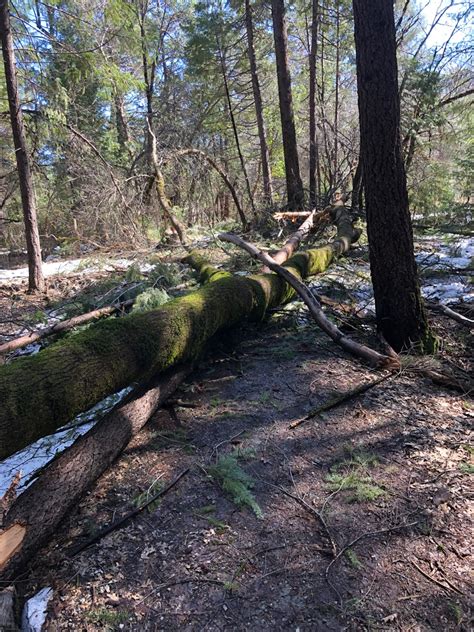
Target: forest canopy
column 101, row 82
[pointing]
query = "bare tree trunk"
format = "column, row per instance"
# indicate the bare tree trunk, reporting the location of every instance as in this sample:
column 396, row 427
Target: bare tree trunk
column 123, row 135
column 35, row 274
column 357, row 188
column 257, row 96
column 336, row 101
column 223, row 175
column 400, row 314
column 294, row 185
column 314, row 185
column 234, row 126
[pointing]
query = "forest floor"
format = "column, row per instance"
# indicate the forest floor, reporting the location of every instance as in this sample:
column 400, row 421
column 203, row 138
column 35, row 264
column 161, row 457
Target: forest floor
column 356, row 519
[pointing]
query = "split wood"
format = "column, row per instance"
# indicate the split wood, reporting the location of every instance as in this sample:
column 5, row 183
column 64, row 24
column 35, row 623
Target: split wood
column 339, row 399
column 131, row 514
column 369, row 355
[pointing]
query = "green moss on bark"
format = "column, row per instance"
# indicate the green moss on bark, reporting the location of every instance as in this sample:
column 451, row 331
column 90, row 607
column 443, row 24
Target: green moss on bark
column 40, row 393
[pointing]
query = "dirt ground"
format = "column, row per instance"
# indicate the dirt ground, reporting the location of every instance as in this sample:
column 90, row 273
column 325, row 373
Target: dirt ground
column 364, row 521
column 355, row 519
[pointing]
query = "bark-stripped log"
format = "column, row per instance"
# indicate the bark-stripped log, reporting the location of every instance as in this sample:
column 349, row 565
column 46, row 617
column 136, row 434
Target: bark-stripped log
column 41, row 393
column 293, row 242
column 63, row 325
column 36, row 513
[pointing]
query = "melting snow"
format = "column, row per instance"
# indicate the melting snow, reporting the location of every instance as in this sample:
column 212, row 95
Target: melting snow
column 78, row 266
column 34, row 611
column 38, row 454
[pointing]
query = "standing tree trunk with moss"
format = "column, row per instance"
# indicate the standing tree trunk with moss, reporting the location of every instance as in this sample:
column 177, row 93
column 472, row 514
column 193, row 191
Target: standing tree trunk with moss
column 294, row 185
column 33, row 247
column 400, row 314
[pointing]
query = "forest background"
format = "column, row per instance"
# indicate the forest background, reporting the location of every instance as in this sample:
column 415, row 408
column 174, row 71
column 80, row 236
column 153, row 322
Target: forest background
column 100, row 80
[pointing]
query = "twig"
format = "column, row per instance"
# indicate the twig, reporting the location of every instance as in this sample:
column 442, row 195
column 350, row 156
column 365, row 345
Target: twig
column 369, row 534
column 447, row 311
column 218, row 445
column 121, row 521
column 432, row 579
column 312, row 511
column 340, row 399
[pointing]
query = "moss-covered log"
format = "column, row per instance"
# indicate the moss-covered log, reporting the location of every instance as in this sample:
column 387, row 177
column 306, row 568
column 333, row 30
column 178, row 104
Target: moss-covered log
column 41, row 393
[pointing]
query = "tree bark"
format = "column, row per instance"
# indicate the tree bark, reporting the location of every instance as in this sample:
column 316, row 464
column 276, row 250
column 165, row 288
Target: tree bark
column 314, row 184
column 41, row 393
column 335, row 169
column 294, row 185
column 35, row 274
column 357, row 188
column 257, row 97
column 400, row 314
column 36, row 513
column 163, row 199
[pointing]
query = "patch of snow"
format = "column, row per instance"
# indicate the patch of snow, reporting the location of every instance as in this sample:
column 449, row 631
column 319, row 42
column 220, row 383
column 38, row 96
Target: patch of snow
column 78, row 266
column 448, row 292
column 34, row 611
column 38, row 454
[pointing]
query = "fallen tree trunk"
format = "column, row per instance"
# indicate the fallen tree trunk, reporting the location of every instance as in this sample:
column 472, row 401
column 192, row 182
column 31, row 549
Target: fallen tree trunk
column 64, row 325
column 369, row 355
column 43, row 392
column 35, row 514
column 292, row 244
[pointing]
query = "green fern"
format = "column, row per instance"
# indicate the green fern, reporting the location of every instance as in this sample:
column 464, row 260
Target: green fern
column 236, row 482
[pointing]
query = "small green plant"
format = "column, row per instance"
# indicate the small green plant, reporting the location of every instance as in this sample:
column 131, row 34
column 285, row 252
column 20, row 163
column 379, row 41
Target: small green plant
column 455, row 612
column 165, row 275
column 236, row 482
column 38, row 318
column 205, row 512
column 466, row 468
column 133, row 274
column 352, row 475
column 142, row 498
column 150, row 299
column 353, row 559
column 110, row 619
column 175, row 437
